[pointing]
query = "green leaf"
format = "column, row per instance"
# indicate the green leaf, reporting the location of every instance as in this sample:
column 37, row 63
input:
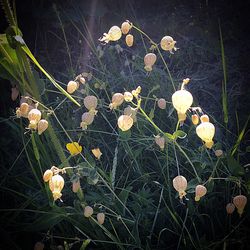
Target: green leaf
column 179, row 134
column 234, row 167
column 125, row 135
column 93, row 177
column 85, row 244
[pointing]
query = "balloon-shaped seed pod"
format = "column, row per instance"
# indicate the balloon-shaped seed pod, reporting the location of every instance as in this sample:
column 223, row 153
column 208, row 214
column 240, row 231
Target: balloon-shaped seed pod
column 206, row 131
column 129, row 39
column 125, row 28
column 56, row 184
column 39, row 246
column 47, row 175
column 200, row 191
column 240, row 202
column 114, row 34
column 97, row 153
column 100, row 218
column 125, row 122
column 149, row 61
column 14, row 93
column 195, row 119
column 162, row 103
column 180, row 185
column 160, row 141
column 76, row 186
column 230, row 207
column 117, row 100
column 88, row 211
column 132, row 112
column 87, row 119
column 72, row 86
column 34, row 115
column 90, row 102
column 204, row 118
column 218, row 152
column 24, row 108
column 168, row 43
column 42, row 126
column 128, row 97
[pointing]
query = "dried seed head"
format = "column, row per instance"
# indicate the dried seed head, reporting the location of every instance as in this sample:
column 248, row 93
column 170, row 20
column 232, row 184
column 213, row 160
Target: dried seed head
column 200, row 191
column 204, row 118
column 126, row 26
column 180, row 185
column 39, row 246
column 24, row 109
column 129, row 39
column 34, row 115
column 168, row 43
column 42, row 126
column 240, row 202
column 47, row 175
column 100, row 218
column 72, row 87
column 128, row 97
column 117, row 100
column 114, row 34
column 87, row 119
column 76, row 186
column 90, row 102
column 149, row 61
column 125, row 122
column 56, row 184
column 162, row 103
column 132, row 112
column 97, row 153
column 14, row 93
column 230, row 207
column 88, row 211
column 160, row 141
column 82, row 80
column 206, row 131
column 218, row 152
column 195, row 119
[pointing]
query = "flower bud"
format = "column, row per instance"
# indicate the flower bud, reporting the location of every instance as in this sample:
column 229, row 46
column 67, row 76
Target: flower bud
column 128, row 97
column 125, row 122
column 97, row 153
column 24, row 109
column 200, row 191
column 129, row 40
column 88, row 211
column 180, row 185
column 47, row 175
column 218, row 152
column 162, row 103
column 230, row 207
column 82, row 80
column 160, row 141
column 117, row 100
column 195, row 119
column 100, row 218
column 76, row 186
column 72, row 87
column 90, row 102
column 240, row 202
column 149, row 61
column 126, row 26
column 34, row 115
column 204, row 118
column 42, row 126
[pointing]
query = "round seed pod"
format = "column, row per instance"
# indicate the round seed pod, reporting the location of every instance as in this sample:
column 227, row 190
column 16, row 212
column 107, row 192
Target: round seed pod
column 167, row 43
column 72, row 87
column 240, row 202
column 200, row 191
column 162, row 103
column 149, row 61
column 128, row 97
column 117, row 100
column 47, row 175
column 180, row 185
column 132, row 112
column 129, row 39
column 76, row 186
column 100, row 218
column 195, row 119
column 125, row 122
column 39, row 246
column 24, row 109
column 160, row 141
column 90, row 102
column 125, row 28
column 218, row 152
column 88, row 211
column 206, row 131
column 182, row 100
column 204, row 118
column 230, row 207
column 34, row 115
column 42, row 126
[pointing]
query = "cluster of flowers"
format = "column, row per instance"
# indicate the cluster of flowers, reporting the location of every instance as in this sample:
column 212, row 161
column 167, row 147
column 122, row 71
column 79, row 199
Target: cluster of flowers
column 28, row 109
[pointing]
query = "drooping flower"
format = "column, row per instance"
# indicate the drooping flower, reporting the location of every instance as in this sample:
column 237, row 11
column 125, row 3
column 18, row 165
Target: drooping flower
column 87, row 119
column 82, row 80
column 47, row 175
column 42, row 126
column 168, row 44
column 136, row 92
column 162, row 103
column 56, row 184
column 74, row 148
column 100, row 218
column 97, row 153
column 195, row 119
column 34, row 115
column 76, row 185
column 125, row 28
column 72, row 86
column 160, row 141
column 88, row 211
column 180, row 185
column 128, row 97
column 125, row 122
column 204, row 118
column 129, row 39
column 240, row 202
column 114, row 34
column 200, row 191
column 117, row 100
column 149, row 61
column 230, row 207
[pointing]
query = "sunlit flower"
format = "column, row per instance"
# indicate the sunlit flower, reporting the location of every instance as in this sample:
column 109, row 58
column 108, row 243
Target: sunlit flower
column 114, row 34
column 125, row 122
column 125, row 28
column 117, row 100
column 88, row 211
column 132, row 112
column 200, row 191
column 149, row 61
column 230, row 207
column 56, row 184
column 100, row 218
column 204, row 118
column 128, row 97
column 162, row 103
column 74, row 148
column 47, row 175
column 129, row 39
column 42, row 126
column 72, row 86
column 168, row 44
column 180, row 185
column 97, row 153
column 34, row 115
column 87, row 119
column 240, row 202
column 160, row 141
column 136, row 92
column 195, row 119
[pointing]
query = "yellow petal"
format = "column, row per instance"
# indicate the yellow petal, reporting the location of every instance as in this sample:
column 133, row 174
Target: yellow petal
column 74, row 148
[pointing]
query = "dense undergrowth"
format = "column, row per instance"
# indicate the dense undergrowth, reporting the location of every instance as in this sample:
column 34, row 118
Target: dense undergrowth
column 131, row 182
